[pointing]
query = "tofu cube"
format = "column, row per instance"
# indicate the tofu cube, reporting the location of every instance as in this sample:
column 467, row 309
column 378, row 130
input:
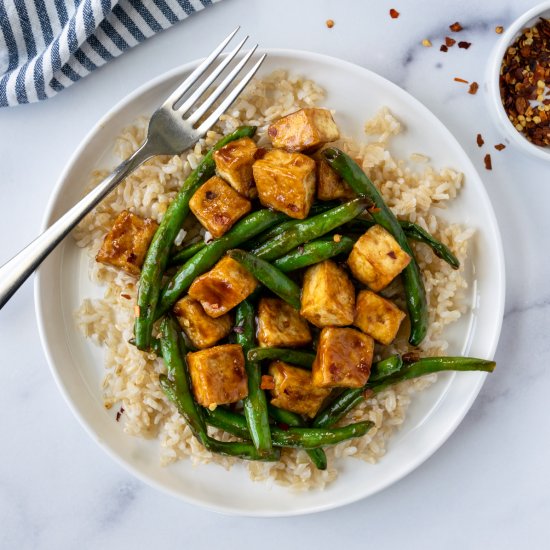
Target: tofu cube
column 226, row 285
column 286, row 182
column 218, row 375
column 304, row 130
column 330, row 185
column 234, row 164
column 344, row 358
column 127, row 242
column 377, row 317
column 279, row 324
column 294, row 390
column 203, row 330
column 218, row 206
column 376, row 258
column 328, row 295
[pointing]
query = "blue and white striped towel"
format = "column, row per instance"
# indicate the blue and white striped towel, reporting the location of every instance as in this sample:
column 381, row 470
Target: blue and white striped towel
column 46, row 45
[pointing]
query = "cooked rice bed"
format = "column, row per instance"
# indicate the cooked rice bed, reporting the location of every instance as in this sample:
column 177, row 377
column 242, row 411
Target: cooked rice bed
column 131, row 379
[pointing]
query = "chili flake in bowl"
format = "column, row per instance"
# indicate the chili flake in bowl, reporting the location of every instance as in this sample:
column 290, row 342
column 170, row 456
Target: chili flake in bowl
column 518, row 81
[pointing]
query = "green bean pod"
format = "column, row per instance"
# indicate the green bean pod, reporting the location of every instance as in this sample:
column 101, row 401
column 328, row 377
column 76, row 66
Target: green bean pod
column 185, row 253
column 310, row 228
column 202, row 261
column 156, row 258
column 415, row 292
column 294, row 357
column 269, row 276
column 385, row 367
column 314, row 252
column 255, row 405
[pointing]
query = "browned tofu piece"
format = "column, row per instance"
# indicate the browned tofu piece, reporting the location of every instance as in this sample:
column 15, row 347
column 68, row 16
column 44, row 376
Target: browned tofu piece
column 234, row 164
column 203, row 331
column 126, row 244
column 286, row 182
column 218, row 375
column 330, row 185
column 294, row 390
column 218, row 206
column 377, row 316
column 279, row 324
column 304, row 130
column 328, row 295
column 376, row 258
column 344, row 358
column 226, row 285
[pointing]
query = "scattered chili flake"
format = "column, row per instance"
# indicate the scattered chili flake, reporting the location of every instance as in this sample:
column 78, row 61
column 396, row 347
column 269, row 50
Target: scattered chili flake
column 283, row 426
column 127, row 296
column 394, row 14
column 487, row 161
column 449, row 41
column 368, row 393
column 330, row 23
column 479, row 140
column 373, row 209
column 443, row 48
column 337, row 238
column 457, row 79
column 499, row 29
column 464, row 45
column 426, row 43
column 267, row 383
column 411, row 356
column 474, row 86
column 524, row 75
column 500, row 146
column 456, row 27
column 119, row 413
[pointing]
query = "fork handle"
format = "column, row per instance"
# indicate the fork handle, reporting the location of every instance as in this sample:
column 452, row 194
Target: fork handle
column 16, row 271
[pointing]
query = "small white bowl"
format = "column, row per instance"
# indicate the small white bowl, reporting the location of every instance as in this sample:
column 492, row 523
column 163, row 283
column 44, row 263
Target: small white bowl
column 492, row 88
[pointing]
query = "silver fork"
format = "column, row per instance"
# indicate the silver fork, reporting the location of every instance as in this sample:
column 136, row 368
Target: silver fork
column 169, row 133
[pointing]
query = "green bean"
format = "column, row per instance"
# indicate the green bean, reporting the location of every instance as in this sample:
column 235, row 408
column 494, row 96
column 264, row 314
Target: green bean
column 156, row 258
column 313, row 253
column 202, row 261
column 311, row 228
column 185, row 253
column 385, row 367
column 294, row 357
column 178, row 391
column 415, row 292
column 269, row 276
column 304, row 438
column 352, row 397
column 255, row 405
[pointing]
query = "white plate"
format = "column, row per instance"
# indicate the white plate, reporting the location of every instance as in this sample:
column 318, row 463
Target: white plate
column 77, row 365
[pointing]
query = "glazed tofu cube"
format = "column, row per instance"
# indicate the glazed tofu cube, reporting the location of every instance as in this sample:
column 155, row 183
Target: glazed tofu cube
column 376, row 258
column 286, row 182
column 377, row 317
column 344, row 358
column 304, row 130
column 234, row 164
column 330, row 185
column 218, row 375
column 218, row 206
column 226, row 285
column 294, row 390
column 279, row 324
column 126, row 244
column 328, row 296
column 203, row 330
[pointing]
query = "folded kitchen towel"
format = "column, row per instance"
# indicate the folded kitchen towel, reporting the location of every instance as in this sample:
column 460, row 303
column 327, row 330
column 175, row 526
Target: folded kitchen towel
column 46, row 45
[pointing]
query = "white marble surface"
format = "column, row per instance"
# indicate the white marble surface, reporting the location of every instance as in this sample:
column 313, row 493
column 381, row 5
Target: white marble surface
column 487, row 487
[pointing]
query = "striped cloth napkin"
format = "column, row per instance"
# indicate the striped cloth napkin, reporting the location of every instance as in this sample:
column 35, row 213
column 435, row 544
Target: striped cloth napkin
column 46, row 45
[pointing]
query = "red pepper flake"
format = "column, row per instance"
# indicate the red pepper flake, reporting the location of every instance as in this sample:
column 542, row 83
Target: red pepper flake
column 456, row 79
column 267, row 383
column 330, row 23
column 411, row 356
column 283, row 426
column 449, row 41
column 499, row 29
column 443, row 48
column 127, row 296
column 487, row 161
column 474, row 86
column 479, row 140
column 373, row 210
column 464, row 45
column 368, row 393
column 119, row 413
column 500, row 146
column 456, row 27
column 394, row 14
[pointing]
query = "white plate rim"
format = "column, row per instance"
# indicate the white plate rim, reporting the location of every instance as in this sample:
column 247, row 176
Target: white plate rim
column 420, row 458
